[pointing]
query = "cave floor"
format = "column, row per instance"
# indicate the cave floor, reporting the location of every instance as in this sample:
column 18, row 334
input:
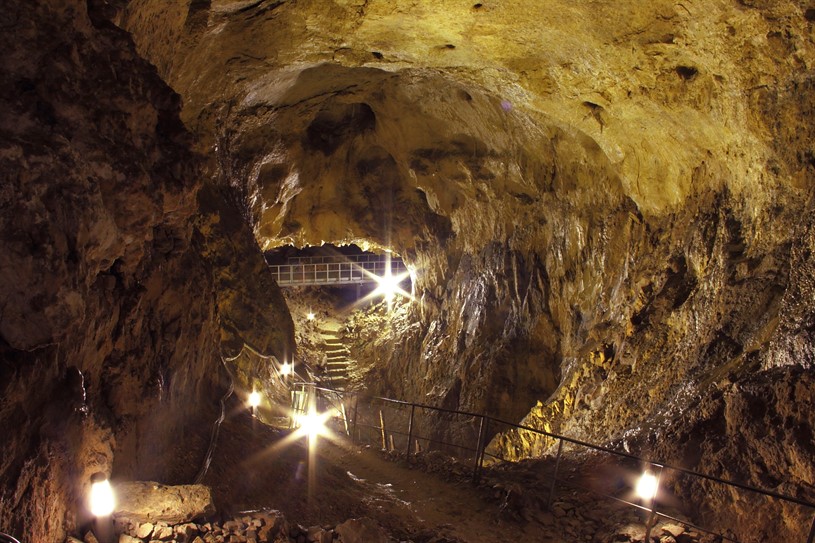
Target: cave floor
column 252, row 469
column 258, row 467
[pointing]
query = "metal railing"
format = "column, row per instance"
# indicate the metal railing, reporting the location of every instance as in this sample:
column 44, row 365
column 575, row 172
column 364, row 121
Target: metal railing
column 395, row 425
column 335, row 270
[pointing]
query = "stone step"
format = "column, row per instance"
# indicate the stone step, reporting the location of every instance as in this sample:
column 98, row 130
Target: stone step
column 338, row 363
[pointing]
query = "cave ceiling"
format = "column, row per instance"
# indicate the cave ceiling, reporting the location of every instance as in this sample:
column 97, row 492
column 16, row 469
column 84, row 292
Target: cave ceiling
column 665, row 99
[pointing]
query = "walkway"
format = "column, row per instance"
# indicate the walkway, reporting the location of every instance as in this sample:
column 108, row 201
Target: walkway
column 335, row 270
column 335, row 372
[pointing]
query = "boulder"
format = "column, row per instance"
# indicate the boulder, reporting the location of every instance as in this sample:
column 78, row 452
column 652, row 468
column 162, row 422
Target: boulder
column 145, row 501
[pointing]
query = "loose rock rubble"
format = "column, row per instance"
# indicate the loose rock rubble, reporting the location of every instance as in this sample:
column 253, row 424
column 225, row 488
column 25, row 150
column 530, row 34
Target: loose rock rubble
column 267, row 526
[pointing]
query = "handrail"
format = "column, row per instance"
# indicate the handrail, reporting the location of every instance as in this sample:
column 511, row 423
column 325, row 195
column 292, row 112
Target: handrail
column 334, row 259
column 6, row 538
column 680, row 469
column 573, row 441
column 326, row 273
column 662, row 465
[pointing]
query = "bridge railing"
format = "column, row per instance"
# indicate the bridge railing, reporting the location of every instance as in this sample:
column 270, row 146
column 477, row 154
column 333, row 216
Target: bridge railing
column 397, row 425
column 329, row 273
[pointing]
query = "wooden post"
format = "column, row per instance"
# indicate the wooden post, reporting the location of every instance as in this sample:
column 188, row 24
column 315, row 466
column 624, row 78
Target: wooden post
column 554, row 477
column 291, row 412
column 390, row 442
column 344, row 418
column 419, row 449
column 355, row 436
column 483, row 430
column 382, row 428
column 410, row 431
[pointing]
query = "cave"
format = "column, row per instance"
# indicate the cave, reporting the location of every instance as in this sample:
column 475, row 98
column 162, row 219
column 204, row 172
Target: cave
column 600, row 215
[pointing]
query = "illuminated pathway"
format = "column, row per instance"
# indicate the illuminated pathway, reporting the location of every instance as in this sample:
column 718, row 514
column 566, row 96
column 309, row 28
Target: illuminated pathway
column 262, row 468
column 423, row 501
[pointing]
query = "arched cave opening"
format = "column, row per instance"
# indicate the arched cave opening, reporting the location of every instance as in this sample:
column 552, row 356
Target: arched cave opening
column 334, row 292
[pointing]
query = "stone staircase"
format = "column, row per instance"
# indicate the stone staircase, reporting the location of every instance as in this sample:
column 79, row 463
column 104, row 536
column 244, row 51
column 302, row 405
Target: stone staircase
column 335, row 374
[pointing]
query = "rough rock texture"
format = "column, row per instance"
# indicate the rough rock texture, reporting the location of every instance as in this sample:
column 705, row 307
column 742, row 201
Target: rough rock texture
column 758, row 429
column 104, row 298
column 146, row 501
column 255, row 325
column 108, row 323
column 602, row 201
column 361, row 530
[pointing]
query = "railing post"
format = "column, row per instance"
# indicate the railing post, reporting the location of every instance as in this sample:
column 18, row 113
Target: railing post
column 479, row 448
column 812, row 532
column 293, row 393
column 382, row 428
column 355, row 437
column 651, row 517
column 410, row 431
column 554, row 477
column 344, row 416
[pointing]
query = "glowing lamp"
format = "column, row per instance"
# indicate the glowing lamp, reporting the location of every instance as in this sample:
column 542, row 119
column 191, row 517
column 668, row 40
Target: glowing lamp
column 310, row 316
column 101, row 499
column 285, row 369
column 647, row 486
column 254, row 399
column 312, row 423
column 388, row 285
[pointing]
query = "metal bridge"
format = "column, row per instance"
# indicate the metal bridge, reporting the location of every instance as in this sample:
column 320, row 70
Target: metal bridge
column 335, row 270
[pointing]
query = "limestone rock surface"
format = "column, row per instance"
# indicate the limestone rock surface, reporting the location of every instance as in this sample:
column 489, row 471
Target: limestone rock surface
column 151, row 502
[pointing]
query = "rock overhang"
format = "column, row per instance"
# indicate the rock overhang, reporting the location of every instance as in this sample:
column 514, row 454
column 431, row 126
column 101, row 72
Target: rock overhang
column 665, row 90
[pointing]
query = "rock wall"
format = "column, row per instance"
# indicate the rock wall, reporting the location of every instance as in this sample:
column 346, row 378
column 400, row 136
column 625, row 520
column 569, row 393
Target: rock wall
column 109, row 327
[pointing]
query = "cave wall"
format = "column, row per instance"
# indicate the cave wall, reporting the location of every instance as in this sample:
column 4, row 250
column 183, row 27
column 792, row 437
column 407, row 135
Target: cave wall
column 110, row 321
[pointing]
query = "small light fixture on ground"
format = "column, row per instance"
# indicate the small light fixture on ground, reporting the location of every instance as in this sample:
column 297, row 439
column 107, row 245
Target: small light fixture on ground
column 647, row 486
column 310, row 316
column 254, row 399
column 101, row 499
column 312, row 423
